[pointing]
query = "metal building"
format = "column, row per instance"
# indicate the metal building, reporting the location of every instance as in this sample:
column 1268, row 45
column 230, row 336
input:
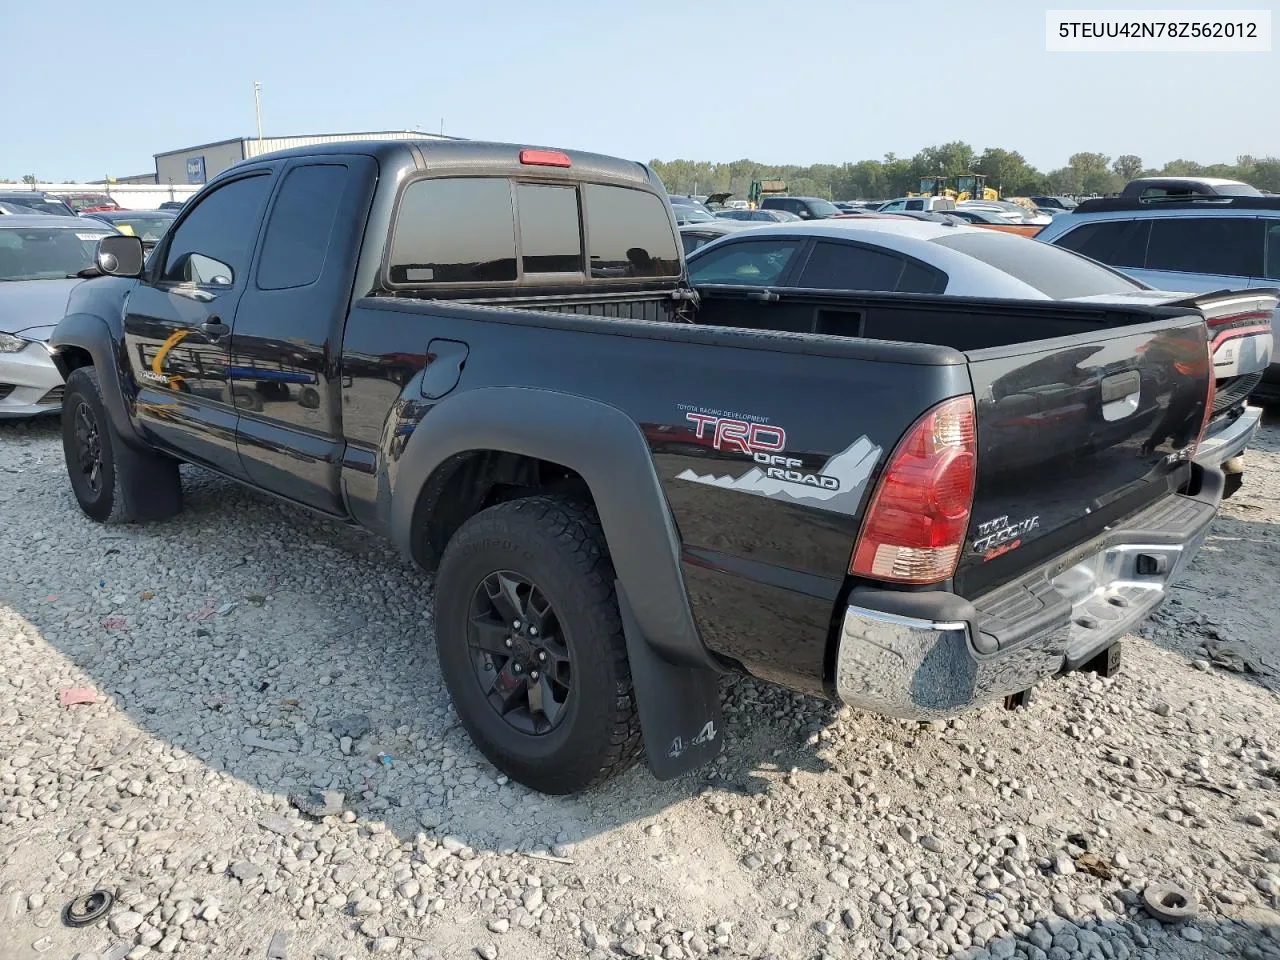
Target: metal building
column 198, row 164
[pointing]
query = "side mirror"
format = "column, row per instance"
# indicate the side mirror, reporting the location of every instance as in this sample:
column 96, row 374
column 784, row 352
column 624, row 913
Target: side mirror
column 120, row 256
column 803, row 214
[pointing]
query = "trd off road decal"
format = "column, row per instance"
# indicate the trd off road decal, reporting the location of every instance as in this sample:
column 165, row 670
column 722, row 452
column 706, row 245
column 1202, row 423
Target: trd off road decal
column 837, row 486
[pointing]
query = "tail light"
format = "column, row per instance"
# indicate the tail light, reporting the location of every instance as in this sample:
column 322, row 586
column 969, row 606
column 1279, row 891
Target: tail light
column 1209, row 399
column 1231, row 319
column 915, row 527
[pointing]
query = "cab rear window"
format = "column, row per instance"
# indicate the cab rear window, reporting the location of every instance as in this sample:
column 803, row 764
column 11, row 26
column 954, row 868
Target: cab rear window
column 489, row 230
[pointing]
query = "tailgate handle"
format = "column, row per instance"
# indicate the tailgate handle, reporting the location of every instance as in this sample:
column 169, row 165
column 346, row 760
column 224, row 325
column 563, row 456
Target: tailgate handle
column 1120, row 393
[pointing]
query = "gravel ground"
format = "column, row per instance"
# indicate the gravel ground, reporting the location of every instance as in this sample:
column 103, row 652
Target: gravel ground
column 247, row 651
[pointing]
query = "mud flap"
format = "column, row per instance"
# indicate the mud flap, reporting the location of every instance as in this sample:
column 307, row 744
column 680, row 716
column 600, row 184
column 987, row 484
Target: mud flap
column 679, row 706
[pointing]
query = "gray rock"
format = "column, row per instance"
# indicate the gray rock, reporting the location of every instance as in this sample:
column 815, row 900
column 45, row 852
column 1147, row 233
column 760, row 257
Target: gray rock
column 353, row 725
column 633, row 947
column 244, row 870
column 1192, row 933
column 931, row 843
column 319, row 803
column 1063, row 865
column 124, row 922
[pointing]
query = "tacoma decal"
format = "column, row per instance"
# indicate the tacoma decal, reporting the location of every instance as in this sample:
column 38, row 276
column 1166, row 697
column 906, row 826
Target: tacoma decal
column 837, row 486
column 999, row 536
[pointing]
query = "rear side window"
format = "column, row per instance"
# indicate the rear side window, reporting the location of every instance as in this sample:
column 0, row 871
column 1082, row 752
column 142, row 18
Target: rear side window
column 914, row 205
column 1056, row 273
column 301, row 223
column 1121, row 243
column 750, row 263
column 843, row 266
column 629, row 232
column 1273, row 250
column 1230, row 246
column 455, row 230
column 550, row 229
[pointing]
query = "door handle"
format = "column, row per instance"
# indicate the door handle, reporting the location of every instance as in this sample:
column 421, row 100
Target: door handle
column 214, row 328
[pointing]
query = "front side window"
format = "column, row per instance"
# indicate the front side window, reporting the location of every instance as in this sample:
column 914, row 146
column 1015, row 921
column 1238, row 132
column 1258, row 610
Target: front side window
column 1228, row 246
column 550, row 229
column 214, row 243
column 629, row 233
column 302, row 218
column 454, row 230
column 749, row 263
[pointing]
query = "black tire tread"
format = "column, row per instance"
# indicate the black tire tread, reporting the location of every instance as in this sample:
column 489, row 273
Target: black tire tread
column 573, row 527
column 144, row 486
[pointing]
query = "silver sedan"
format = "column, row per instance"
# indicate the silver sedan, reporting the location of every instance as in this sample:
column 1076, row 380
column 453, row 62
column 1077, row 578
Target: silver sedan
column 41, row 259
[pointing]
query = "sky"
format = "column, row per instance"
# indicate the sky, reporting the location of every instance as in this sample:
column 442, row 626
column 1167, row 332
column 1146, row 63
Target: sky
column 802, row 81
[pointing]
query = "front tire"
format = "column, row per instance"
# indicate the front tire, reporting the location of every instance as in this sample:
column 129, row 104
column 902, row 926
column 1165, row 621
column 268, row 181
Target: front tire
column 112, row 482
column 531, row 646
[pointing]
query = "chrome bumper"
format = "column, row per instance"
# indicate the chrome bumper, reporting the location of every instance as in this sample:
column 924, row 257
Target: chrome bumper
column 1231, row 441
column 920, row 669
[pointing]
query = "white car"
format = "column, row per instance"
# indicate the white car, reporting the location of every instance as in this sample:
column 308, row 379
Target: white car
column 924, row 204
column 1013, row 212
column 910, row 257
column 41, row 259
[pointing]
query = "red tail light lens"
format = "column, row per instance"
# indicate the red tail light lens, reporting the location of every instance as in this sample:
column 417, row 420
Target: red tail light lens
column 545, row 158
column 915, row 527
column 1252, row 316
column 1208, row 403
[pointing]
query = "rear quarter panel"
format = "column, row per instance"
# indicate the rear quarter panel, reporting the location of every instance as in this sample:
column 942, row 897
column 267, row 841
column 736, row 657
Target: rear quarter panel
column 764, row 558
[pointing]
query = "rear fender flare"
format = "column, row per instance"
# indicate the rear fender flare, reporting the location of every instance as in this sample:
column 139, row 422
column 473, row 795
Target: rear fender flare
column 607, row 449
column 92, row 334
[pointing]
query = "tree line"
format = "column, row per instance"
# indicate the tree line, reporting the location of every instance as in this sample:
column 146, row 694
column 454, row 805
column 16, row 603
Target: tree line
column 1086, row 174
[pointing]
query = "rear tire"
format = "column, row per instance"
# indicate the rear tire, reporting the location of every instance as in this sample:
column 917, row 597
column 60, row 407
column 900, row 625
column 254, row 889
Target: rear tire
column 112, row 482
column 548, row 556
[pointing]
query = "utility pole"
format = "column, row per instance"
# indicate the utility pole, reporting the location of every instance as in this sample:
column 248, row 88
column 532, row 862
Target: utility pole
column 257, row 106
column 442, row 126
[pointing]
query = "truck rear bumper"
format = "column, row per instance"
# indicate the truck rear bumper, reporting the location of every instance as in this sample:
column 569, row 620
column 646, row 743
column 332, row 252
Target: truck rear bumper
column 928, row 655
column 1217, row 448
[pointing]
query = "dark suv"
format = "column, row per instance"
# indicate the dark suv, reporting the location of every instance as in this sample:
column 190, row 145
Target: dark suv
column 806, row 208
column 37, row 202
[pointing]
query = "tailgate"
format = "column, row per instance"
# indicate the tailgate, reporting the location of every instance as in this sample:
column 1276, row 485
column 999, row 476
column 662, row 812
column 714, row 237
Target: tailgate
column 1074, row 434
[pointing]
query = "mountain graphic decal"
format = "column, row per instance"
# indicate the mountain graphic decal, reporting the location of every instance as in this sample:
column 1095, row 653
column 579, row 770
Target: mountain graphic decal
column 851, row 468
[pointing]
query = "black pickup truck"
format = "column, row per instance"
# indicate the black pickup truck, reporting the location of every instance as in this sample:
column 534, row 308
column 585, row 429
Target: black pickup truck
column 627, row 487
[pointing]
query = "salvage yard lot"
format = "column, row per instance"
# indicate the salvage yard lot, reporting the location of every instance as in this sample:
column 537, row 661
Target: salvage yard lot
column 247, row 650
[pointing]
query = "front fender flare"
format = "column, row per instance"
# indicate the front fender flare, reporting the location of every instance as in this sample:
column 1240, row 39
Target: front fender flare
column 93, row 334
column 607, row 449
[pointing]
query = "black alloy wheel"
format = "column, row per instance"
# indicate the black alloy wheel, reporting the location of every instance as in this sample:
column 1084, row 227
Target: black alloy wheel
column 518, row 653
column 89, row 447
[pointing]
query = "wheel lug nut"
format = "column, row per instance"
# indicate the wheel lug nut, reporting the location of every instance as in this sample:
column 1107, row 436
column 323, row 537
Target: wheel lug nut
column 508, row 641
column 533, row 675
column 515, row 624
column 516, row 668
column 542, row 655
column 533, row 631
